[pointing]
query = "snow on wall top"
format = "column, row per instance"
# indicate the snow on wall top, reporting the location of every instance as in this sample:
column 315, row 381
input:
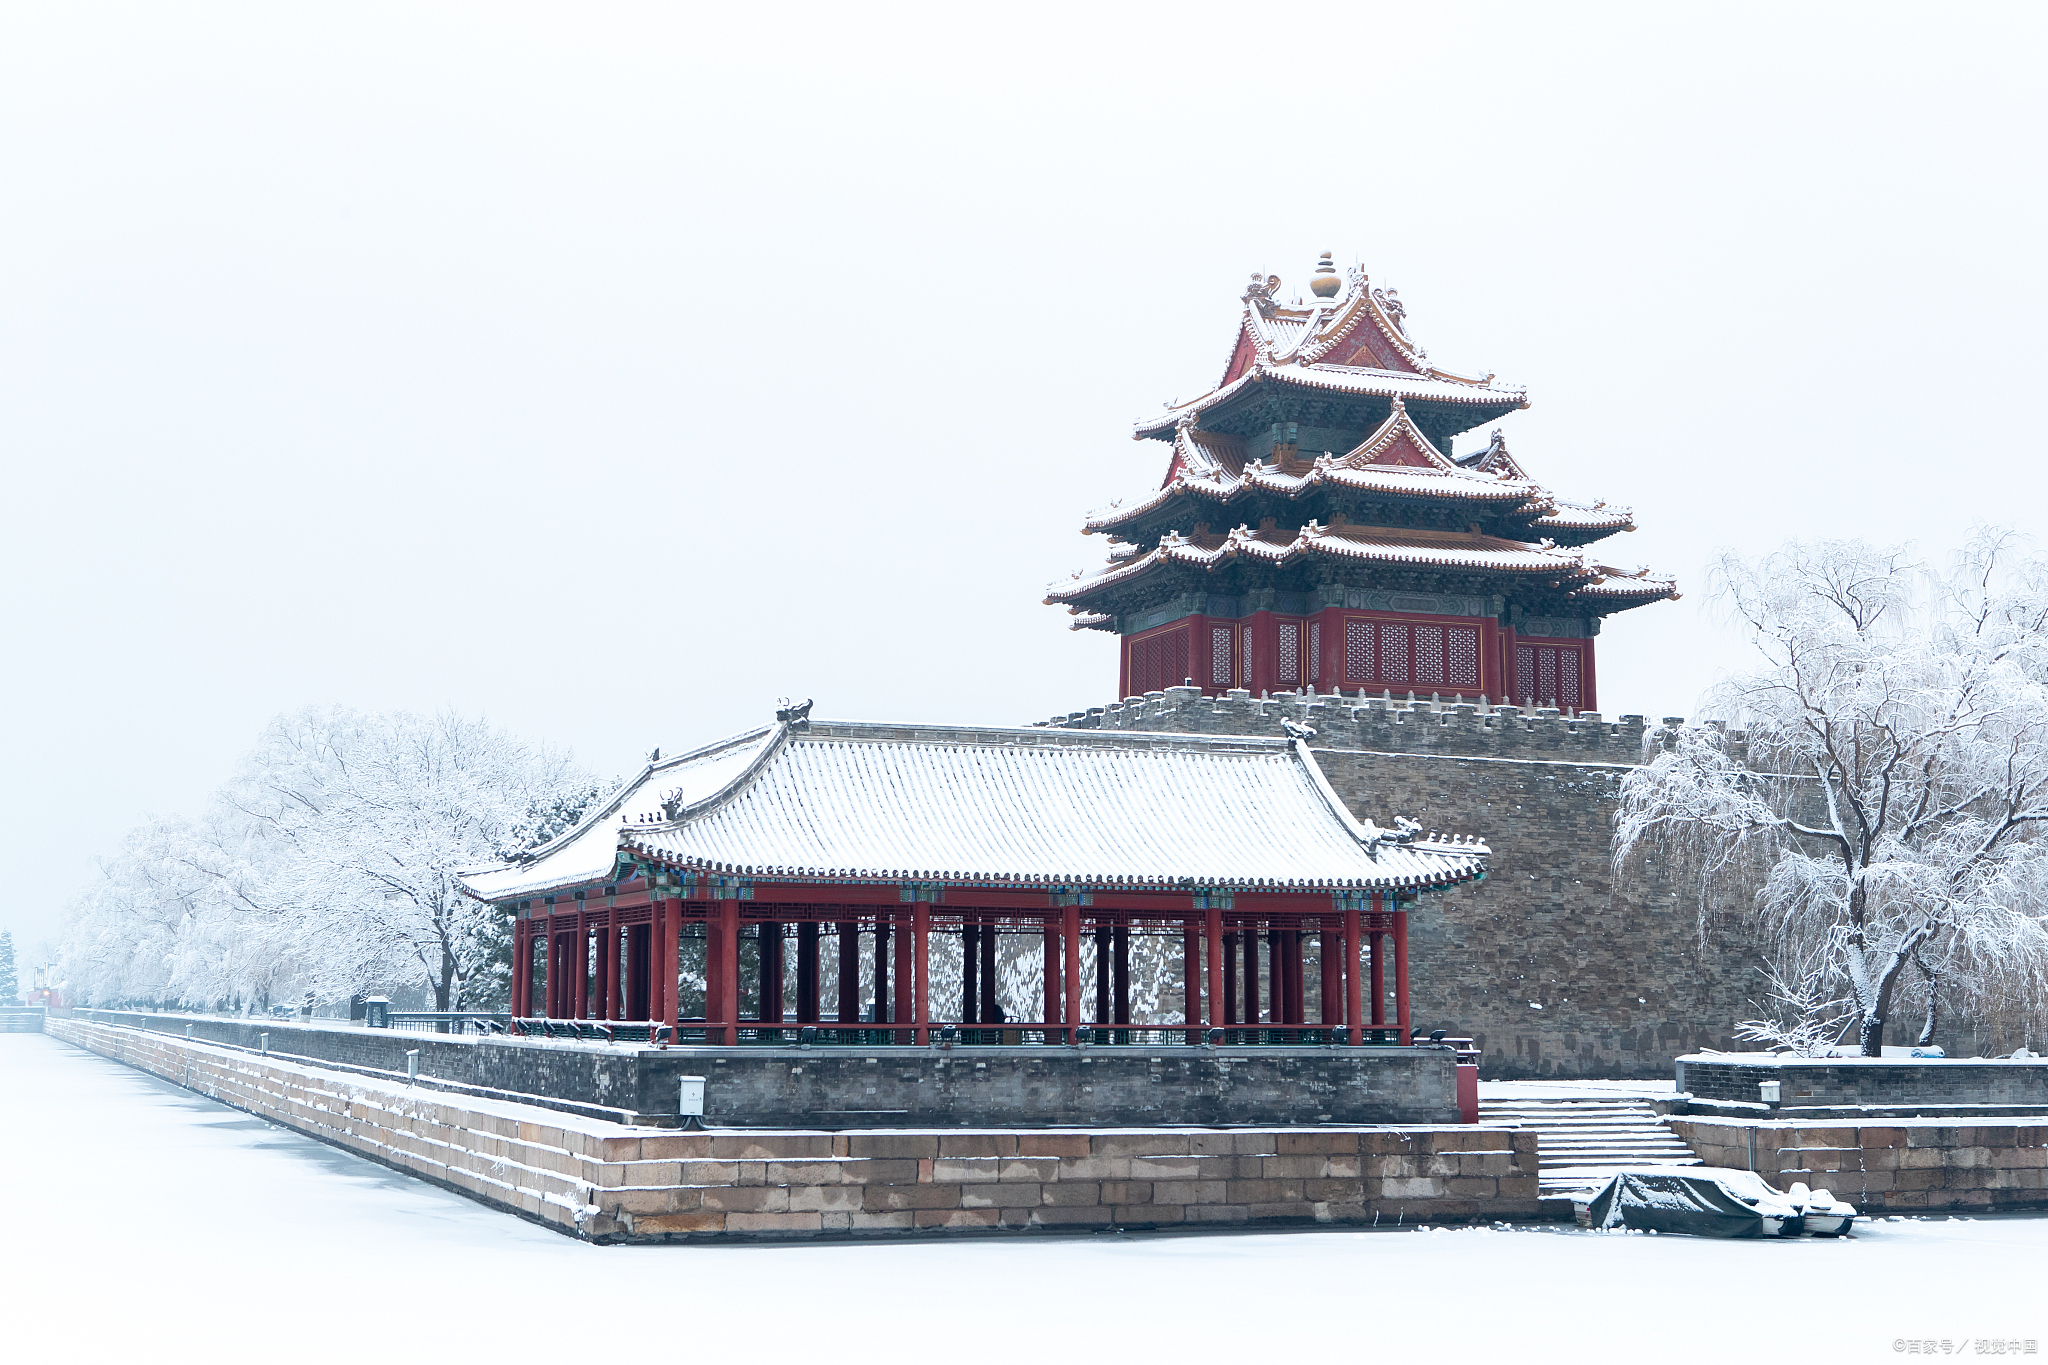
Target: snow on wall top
column 1025, row 807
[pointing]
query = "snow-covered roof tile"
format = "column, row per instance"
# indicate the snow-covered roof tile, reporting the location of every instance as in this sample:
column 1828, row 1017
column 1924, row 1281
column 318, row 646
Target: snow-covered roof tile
column 1031, row 807
column 588, row 852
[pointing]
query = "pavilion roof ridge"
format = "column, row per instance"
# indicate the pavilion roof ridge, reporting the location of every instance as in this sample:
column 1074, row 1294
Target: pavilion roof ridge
column 1289, row 341
column 610, row 809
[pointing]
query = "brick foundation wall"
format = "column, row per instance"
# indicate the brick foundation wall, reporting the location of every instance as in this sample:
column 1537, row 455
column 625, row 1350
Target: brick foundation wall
column 609, row 1182
column 1623, row 982
column 846, row 1087
column 1896, row 1166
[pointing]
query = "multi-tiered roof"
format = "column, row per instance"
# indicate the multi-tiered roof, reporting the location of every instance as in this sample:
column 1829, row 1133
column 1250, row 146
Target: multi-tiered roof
column 1321, row 459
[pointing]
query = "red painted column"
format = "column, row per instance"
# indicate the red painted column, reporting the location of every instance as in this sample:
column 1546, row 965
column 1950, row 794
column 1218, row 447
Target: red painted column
column 1507, row 664
column 664, row 955
column 848, row 934
column 1401, row 973
column 1191, row 979
column 1214, row 1016
column 1120, row 974
column 1354, row 1015
column 1053, row 994
column 1231, row 977
column 1072, row 972
column 1330, row 673
column 651, row 996
column 1589, row 697
column 921, row 960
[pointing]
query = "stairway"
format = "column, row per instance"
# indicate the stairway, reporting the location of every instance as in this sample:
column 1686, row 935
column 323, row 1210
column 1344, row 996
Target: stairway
column 1586, row 1140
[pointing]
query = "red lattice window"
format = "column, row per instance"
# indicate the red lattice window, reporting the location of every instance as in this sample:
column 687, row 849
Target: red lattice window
column 1429, row 655
column 1219, row 657
column 1244, row 657
column 1425, row 655
column 1290, row 651
column 1550, row 675
column 1462, row 656
column 1315, row 651
column 1357, row 650
column 1159, row 661
column 1394, row 640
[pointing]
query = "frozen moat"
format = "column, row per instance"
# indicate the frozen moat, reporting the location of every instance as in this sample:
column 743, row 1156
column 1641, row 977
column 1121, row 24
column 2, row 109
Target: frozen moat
column 149, row 1223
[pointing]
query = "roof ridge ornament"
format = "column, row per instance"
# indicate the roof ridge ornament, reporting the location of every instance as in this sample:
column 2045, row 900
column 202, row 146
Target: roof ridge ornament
column 1259, row 294
column 1325, row 283
column 795, row 717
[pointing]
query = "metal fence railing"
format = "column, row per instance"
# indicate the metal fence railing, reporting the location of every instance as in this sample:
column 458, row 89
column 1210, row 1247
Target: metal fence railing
column 430, row 1021
column 1009, row 1034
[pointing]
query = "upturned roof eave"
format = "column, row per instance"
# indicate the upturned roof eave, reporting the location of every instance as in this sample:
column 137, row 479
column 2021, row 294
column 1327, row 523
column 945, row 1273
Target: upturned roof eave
column 1413, row 389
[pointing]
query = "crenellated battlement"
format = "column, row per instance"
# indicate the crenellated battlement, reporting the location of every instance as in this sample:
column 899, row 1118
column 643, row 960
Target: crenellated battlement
column 1387, row 724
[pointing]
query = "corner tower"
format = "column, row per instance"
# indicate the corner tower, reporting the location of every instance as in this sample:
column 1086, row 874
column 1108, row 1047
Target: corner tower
column 1314, row 530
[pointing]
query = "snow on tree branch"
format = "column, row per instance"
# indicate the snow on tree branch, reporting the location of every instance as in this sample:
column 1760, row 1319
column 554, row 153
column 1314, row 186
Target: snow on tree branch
column 327, row 864
column 1886, row 764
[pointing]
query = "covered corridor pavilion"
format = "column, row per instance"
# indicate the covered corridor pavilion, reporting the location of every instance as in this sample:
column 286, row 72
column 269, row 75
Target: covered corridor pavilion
column 867, row 841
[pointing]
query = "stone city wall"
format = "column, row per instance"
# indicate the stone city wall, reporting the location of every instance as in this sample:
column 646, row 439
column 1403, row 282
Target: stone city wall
column 611, row 1182
column 1898, row 1165
column 1549, row 965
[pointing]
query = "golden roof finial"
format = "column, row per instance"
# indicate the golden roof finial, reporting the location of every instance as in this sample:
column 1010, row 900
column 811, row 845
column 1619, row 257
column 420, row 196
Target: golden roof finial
column 1325, row 282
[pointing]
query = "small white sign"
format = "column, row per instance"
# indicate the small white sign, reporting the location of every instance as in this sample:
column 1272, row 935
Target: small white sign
column 692, row 1098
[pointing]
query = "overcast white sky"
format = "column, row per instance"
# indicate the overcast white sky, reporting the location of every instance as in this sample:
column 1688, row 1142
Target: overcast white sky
column 611, row 370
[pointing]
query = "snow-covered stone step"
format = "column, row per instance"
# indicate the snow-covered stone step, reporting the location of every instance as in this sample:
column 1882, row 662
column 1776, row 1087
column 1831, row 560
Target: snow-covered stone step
column 1583, row 1142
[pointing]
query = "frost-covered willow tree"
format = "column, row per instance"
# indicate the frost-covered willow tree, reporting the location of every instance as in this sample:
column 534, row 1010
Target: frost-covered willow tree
column 326, row 864
column 1885, row 770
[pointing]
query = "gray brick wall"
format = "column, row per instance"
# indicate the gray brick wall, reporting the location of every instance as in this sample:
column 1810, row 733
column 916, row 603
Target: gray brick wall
column 1623, row 983
column 1879, row 1082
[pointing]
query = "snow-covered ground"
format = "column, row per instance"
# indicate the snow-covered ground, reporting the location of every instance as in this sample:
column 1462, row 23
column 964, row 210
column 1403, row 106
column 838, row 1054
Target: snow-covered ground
column 146, row 1223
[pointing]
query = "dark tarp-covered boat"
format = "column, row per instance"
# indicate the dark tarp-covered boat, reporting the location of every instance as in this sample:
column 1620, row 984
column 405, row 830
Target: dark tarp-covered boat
column 1700, row 1201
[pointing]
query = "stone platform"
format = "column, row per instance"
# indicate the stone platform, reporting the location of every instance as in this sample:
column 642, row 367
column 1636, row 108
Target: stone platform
column 842, row 1087
column 607, row 1181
